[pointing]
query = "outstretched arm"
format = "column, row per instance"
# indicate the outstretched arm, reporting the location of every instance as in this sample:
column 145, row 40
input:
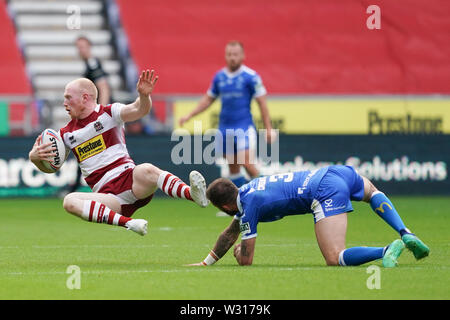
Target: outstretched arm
column 225, row 241
column 262, row 103
column 205, row 102
column 141, row 107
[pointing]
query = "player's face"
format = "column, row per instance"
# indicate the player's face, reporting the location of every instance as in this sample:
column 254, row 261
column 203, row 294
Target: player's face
column 84, row 49
column 228, row 209
column 234, row 55
column 73, row 102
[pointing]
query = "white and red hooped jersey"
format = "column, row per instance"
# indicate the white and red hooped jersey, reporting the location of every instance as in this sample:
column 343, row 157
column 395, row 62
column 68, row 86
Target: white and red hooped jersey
column 98, row 143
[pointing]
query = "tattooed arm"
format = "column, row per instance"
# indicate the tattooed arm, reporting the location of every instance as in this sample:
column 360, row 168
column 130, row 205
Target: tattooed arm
column 225, row 241
column 244, row 251
column 227, row 238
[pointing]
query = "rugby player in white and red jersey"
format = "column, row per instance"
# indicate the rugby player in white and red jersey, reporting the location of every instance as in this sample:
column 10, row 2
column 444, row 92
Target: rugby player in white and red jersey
column 96, row 137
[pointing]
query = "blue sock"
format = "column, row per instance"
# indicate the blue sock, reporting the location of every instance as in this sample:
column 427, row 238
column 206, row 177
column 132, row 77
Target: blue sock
column 238, row 179
column 384, row 208
column 360, row 255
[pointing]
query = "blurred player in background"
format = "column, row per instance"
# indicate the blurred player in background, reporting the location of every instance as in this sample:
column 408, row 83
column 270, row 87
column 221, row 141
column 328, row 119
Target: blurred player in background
column 93, row 70
column 327, row 194
column 237, row 85
column 96, row 137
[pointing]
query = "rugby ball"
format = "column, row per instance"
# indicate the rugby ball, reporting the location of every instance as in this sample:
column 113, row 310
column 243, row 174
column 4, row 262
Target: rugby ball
column 53, row 137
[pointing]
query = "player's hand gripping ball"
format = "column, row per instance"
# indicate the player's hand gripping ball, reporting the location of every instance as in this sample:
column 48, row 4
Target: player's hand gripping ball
column 51, row 136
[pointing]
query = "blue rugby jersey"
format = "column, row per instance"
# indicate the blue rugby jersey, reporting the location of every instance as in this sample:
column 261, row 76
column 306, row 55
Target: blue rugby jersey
column 273, row 197
column 236, row 90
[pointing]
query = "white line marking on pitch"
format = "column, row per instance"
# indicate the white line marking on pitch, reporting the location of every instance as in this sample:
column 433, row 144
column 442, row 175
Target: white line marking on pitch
column 121, row 246
column 186, row 270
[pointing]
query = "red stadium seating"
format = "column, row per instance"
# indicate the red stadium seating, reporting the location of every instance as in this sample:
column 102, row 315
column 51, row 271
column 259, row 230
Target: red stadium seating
column 13, row 78
column 297, row 46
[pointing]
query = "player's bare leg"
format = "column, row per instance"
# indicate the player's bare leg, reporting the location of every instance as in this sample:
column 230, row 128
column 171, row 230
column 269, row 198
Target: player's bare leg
column 147, row 178
column 73, row 202
column 244, row 158
column 234, row 168
column 330, row 234
column 369, row 189
column 101, row 208
column 249, row 163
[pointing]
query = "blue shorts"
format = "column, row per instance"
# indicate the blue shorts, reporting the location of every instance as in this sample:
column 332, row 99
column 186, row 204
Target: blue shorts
column 338, row 187
column 230, row 141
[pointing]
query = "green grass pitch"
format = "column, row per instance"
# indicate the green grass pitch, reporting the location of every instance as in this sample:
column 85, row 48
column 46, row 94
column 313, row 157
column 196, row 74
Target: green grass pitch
column 38, row 241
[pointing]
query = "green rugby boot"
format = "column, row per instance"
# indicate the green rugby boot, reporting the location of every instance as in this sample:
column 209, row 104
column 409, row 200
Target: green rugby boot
column 392, row 253
column 416, row 246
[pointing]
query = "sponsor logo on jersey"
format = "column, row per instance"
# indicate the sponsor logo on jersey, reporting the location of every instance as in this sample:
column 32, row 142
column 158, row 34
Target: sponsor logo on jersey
column 90, row 148
column 245, row 227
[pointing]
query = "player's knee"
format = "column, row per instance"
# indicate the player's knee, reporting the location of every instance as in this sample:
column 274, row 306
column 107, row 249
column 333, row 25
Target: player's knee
column 332, row 262
column 332, row 258
column 369, row 189
column 149, row 168
column 148, row 171
column 69, row 203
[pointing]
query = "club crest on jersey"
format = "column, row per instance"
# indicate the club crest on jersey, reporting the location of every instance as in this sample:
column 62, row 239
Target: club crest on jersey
column 90, row 148
column 98, row 126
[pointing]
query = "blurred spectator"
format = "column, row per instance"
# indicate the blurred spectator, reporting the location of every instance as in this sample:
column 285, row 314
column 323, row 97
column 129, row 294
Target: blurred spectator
column 94, row 70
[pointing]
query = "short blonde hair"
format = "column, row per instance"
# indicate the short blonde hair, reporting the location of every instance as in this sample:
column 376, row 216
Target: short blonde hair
column 235, row 43
column 84, row 85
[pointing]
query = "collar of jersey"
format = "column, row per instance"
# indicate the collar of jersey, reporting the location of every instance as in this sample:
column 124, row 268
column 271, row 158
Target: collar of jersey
column 88, row 119
column 234, row 73
column 238, row 203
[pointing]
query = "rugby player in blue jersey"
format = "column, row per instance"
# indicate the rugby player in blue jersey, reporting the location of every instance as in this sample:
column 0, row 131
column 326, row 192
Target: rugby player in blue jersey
column 237, row 85
column 327, row 194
